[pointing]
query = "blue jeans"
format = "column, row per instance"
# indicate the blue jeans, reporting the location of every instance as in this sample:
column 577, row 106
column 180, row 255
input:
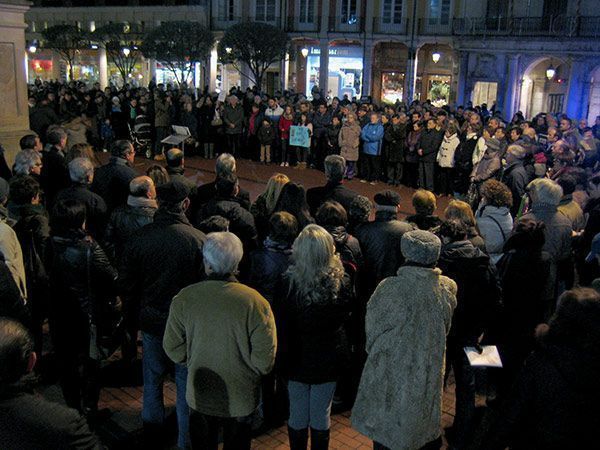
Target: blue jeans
column 156, row 365
column 310, row 405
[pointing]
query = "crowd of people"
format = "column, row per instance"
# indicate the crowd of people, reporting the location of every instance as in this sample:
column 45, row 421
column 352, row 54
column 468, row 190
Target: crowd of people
column 301, row 301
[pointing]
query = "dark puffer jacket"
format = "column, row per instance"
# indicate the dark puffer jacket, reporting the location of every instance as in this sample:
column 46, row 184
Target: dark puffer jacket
column 312, row 343
column 82, row 283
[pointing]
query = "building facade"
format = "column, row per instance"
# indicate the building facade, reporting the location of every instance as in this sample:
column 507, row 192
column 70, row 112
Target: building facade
column 448, row 51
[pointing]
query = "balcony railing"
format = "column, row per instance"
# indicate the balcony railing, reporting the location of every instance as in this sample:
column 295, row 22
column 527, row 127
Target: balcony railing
column 389, row 26
column 433, row 26
column 556, row 26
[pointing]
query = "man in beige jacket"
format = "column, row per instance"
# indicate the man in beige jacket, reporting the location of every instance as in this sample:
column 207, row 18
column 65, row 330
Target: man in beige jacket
column 225, row 333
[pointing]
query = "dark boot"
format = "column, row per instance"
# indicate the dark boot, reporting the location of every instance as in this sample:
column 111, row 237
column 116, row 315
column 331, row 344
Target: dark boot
column 153, row 436
column 319, row 439
column 298, row 438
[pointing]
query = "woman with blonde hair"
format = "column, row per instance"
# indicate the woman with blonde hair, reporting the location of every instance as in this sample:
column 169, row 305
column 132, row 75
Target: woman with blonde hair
column 461, row 211
column 310, row 310
column 265, row 203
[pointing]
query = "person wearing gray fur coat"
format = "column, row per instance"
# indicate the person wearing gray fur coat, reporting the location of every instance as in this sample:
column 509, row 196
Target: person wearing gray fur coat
column 399, row 401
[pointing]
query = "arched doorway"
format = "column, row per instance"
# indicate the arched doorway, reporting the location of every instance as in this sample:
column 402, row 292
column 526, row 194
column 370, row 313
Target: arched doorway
column 594, row 101
column 434, row 74
column 542, row 94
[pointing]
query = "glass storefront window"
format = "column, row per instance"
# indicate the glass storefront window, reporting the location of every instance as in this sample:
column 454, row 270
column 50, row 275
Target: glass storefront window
column 438, row 90
column 344, row 72
column 484, row 92
column 392, row 87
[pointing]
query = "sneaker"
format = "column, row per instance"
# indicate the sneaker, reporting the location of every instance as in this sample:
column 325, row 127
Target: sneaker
column 282, row 165
column 373, row 183
column 363, row 181
column 287, row 164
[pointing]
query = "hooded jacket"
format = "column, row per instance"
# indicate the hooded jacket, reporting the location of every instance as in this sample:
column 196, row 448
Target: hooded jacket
column 495, row 225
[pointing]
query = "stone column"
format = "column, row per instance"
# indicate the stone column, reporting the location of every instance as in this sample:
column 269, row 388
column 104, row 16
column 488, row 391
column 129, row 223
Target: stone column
column 324, row 66
column 284, row 72
column 463, row 70
column 367, row 68
column 211, row 71
column 511, row 85
column 577, row 80
column 411, row 75
column 151, row 70
column 14, row 114
column 102, row 67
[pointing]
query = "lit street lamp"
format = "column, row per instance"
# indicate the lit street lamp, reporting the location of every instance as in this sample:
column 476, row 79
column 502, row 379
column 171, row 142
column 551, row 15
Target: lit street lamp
column 228, row 49
column 304, row 52
column 126, row 52
column 550, row 72
column 435, row 56
column 32, row 48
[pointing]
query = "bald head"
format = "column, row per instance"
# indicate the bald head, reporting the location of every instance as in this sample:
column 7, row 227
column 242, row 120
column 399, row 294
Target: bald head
column 142, row 187
column 175, row 158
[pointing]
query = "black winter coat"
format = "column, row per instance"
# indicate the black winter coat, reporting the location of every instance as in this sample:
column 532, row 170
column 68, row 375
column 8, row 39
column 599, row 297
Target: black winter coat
column 479, row 295
column 395, row 142
column 41, row 118
column 111, row 182
column 266, row 135
column 158, row 261
column 267, row 265
column 312, row 342
column 95, row 207
column 463, row 165
column 55, row 174
column 316, row 196
column 82, row 283
column 124, row 222
column 380, row 244
column 430, row 142
column 33, row 231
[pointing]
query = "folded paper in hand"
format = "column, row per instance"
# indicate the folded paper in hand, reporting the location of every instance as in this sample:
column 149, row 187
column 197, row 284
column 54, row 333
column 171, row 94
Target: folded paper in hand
column 489, row 357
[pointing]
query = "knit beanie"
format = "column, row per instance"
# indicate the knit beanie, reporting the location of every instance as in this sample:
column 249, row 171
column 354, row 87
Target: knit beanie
column 421, row 247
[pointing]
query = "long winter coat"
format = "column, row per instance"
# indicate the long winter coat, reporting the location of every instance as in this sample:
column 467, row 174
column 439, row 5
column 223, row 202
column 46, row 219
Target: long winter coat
column 349, row 140
column 395, row 139
column 399, row 401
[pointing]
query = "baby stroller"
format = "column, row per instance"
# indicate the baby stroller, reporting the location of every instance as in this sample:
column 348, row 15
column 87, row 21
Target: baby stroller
column 141, row 136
